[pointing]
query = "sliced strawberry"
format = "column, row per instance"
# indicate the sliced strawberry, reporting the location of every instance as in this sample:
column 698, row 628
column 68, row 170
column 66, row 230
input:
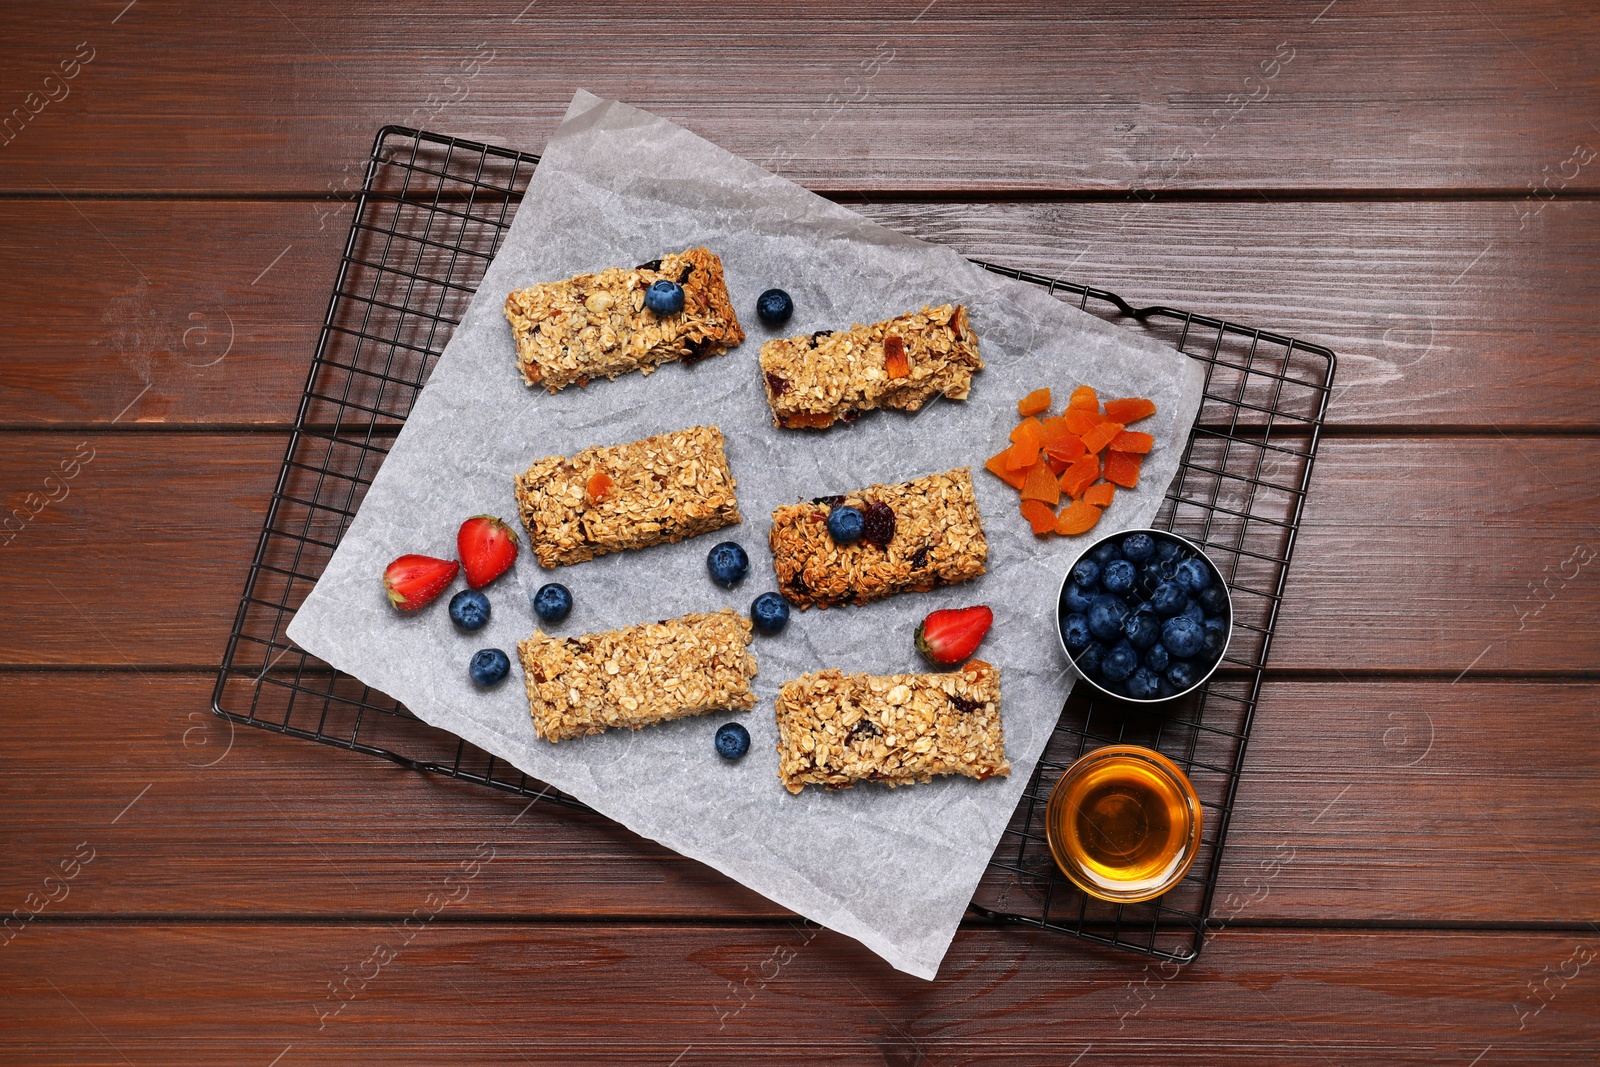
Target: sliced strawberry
column 949, row 636
column 413, row 582
column 487, row 547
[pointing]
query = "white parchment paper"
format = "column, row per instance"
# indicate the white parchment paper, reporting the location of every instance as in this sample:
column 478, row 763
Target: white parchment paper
column 892, row 868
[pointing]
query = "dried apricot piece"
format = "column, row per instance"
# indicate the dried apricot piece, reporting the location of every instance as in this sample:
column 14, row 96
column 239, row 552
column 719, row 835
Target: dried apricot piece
column 1084, row 398
column 997, row 466
column 1034, row 403
column 1063, row 452
column 1029, row 429
column 1041, row 485
column 1055, row 428
column 1101, row 436
column 894, row 357
column 1027, row 438
column 1080, row 421
column 1040, row 516
column 1077, row 517
column 599, row 485
column 1133, row 441
column 1077, row 478
column 1100, row 495
column 1131, row 409
column 1122, row 468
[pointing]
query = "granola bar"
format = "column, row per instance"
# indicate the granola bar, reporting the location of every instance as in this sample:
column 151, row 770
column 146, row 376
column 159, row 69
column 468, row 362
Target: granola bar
column 836, row 729
column 920, row 534
column 813, row 380
column 596, row 324
column 614, row 497
column 638, row 675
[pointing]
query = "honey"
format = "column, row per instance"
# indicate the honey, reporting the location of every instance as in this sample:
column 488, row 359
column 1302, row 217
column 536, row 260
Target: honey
column 1124, row 823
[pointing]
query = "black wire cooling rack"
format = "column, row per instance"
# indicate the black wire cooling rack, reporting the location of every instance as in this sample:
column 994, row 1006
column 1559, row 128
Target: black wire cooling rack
column 430, row 216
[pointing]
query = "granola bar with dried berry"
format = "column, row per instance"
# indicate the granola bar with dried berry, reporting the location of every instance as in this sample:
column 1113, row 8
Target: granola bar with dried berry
column 597, row 324
column 836, row 729
column 917, row 535
column 609, row 498
column 638, row 675
column 816, row 379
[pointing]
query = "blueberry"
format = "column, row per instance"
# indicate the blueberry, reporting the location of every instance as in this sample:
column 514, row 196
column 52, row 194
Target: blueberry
column 1090, row 658
column 1144, row 684
column 1168, row 599
column 774, row 307
column 1119, row 576
column 1143, row 629
column 664, row 298
column 728, row 564
column 1075, row 599
column 1119, row 662
column 1075, row 632
column 1138, row 547
column 1086, row 572
column 1168, row 551
column 1193, row 610
column 1156, row 658
column 845, row 524
column 1214, row 600
column 469, row 609
column 1216, row 637
column 553, row 602
column 1182, row 675
column 1193, row 575
column 1103, row 554
column 770, row 613
column 1105, row 617
column 489, row 666
column 1167, row 689
column 1183, row 637
column 733, row 740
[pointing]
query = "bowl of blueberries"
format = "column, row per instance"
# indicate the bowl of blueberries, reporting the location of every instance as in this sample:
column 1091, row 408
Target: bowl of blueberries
column 1144, row 616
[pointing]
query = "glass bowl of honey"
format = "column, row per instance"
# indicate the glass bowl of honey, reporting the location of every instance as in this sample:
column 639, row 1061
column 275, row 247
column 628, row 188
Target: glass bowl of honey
column 1123, row 823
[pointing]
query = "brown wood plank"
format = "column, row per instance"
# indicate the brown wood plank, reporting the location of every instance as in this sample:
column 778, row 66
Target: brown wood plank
column 86, row 994
column 1443, row 314
column 142, row 561
column 1025, row 96
column 1359, row 802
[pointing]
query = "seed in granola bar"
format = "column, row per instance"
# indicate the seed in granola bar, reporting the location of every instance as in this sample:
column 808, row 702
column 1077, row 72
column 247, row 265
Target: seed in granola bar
column 878, row 527
column 733, row 740
column 664, row 298
column 846, row 524
column 728, row 564
column 774, row 307
column 770, row 613
column 962, row 704
column 777, row 383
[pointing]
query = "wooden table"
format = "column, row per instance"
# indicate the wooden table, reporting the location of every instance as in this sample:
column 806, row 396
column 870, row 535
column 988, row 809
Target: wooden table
column 1411, row 185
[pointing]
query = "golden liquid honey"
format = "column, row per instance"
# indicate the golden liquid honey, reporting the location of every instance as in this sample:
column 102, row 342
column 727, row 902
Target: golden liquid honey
column 1123, row 823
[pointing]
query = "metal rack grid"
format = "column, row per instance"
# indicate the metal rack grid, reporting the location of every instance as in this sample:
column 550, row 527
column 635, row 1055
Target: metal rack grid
column 430, row 216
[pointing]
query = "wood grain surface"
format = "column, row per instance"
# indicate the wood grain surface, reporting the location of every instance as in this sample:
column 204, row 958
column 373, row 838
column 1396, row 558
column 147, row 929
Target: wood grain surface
column 1413, row 186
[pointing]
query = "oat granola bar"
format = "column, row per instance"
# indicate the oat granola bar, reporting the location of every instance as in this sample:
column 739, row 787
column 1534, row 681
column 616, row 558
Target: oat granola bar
column 609, row 498
column 836, row 729
column 815, row 379
column 919, row 534
column 638, row 675
column 596, row 324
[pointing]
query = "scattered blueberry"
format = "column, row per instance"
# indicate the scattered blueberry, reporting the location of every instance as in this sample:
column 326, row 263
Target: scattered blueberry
column 664, row 298
column 1182, row 674
column 1168, row 599
column 1120, row 662
column 1086, row 572
column 1155, row 657
column 733, row 740
column 1216, row 638
column 469, row 609
column 1193, row 575
column 1075, row 599
column 1106, row 614
column 1183, row 637
column 1144, row 684
column 489, row 666
column 728, row 564
column 553, row 602
column 1143, row 629
column 770, row 613
column 845, row 524
column 1214, row 600
column 1118, row 576
column 1103, row 554
column 1138, row 547
column 774, row 307
column 1075, row 632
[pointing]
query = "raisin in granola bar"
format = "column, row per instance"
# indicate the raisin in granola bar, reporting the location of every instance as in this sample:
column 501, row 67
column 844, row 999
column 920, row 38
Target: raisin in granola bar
column 919, row 534
column 596, row 324
column 638, row 675
column 615, row 497
column 815, row 379
column 836, row 729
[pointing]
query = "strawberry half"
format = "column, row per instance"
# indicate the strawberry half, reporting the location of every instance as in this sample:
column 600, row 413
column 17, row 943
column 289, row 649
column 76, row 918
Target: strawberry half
column 413, row 582
column 949, row 636
column 487, row 547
